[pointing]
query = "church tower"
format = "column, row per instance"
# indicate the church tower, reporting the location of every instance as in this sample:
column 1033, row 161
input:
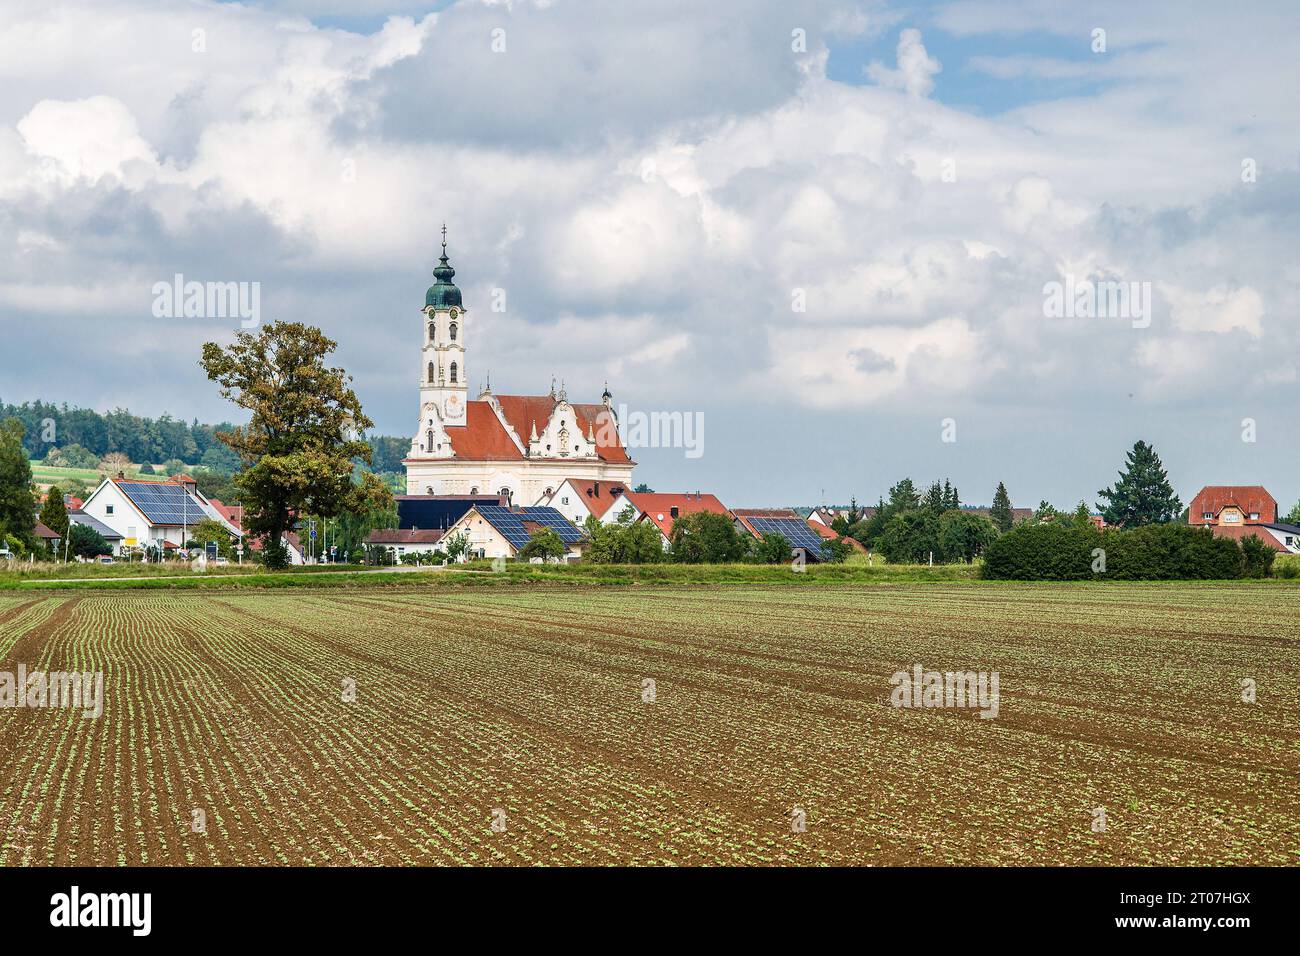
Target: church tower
column 443, row 380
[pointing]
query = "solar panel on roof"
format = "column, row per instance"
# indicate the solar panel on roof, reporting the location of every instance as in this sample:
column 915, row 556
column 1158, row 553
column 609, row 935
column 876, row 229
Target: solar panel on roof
column 794, row 530
column 163, row 504
column 510, row 523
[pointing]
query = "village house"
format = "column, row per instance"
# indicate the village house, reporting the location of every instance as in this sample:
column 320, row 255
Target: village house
column 662, row 510
column 1239, row 511
column 151, row 514
column 580, row 498
column 497, row 531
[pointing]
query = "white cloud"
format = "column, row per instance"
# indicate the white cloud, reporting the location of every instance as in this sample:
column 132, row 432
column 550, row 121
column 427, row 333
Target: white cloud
column 916, row 68
column 87, row 139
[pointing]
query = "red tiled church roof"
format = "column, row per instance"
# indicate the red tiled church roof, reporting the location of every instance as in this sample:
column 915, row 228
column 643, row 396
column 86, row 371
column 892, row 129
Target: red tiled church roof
column 482, row 437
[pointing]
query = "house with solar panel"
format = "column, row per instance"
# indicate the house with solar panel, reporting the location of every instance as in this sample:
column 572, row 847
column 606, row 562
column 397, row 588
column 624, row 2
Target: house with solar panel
column 498, row 531
column 151, row 514
column 756, row 522
column 521, row 447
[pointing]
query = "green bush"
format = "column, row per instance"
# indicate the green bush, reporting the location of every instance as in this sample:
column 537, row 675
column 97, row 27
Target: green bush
column 1054, row 552
column 1256, row 557
column 1042, row 552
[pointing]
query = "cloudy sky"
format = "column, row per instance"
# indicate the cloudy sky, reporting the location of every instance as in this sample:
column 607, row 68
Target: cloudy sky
column 826, row 226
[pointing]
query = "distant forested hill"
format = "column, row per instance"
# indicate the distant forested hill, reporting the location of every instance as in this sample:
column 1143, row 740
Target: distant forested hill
column 150, row 439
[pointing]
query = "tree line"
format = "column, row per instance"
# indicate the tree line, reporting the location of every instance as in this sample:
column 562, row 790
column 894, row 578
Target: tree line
column 82, row 437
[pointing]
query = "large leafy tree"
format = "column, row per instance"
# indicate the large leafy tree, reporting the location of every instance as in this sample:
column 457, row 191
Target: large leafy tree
column 1294, row 516
column 17, row 505
column 304, row 432
column 964, row 535
column 1142, row 495
column 703, row 537
column 1001, row 514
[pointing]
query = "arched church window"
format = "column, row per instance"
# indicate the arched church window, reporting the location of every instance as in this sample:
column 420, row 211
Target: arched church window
column 430, row 371
column 428, row 489
column 474, row 490
column 432, row 328
column 453, row 331
column 428, row 440
column 453, row 373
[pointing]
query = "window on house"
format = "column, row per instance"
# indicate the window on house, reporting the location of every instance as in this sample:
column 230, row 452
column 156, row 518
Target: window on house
column 108, row 509
column 1254, row 516
column 1207, row 515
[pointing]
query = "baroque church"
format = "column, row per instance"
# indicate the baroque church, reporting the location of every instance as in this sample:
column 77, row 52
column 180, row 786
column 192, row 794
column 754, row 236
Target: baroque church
column 520, row 446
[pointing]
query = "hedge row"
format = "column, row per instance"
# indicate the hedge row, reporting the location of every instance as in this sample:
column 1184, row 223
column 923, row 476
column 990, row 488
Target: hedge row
column 1054, row 552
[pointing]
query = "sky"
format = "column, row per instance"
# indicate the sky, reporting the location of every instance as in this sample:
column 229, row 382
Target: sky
column 829, row 229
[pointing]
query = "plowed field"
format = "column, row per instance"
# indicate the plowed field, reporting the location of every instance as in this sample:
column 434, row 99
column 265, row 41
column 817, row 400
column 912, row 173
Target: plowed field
column 526, row 706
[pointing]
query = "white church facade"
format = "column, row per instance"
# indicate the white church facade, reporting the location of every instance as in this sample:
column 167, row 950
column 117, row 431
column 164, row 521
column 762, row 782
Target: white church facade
column 520, row 446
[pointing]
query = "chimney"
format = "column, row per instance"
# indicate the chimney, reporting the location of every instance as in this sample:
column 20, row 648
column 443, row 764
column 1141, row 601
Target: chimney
column 121, row 475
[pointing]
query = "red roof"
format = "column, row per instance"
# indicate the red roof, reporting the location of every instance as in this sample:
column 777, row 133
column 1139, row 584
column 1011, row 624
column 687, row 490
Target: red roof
column 599, row 496
column 484, row 438
column 1248, row 499
column 43, row 532
column 659, row 507
column 522, row 411
column 1239, row 532
column 830, row 535
column 232, row 513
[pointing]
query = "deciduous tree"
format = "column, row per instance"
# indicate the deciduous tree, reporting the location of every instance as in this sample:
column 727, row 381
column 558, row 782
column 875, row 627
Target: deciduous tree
column 305, row 430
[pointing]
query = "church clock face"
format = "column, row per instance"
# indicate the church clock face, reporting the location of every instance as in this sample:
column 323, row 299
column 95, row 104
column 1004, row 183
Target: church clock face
column 454, row 408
